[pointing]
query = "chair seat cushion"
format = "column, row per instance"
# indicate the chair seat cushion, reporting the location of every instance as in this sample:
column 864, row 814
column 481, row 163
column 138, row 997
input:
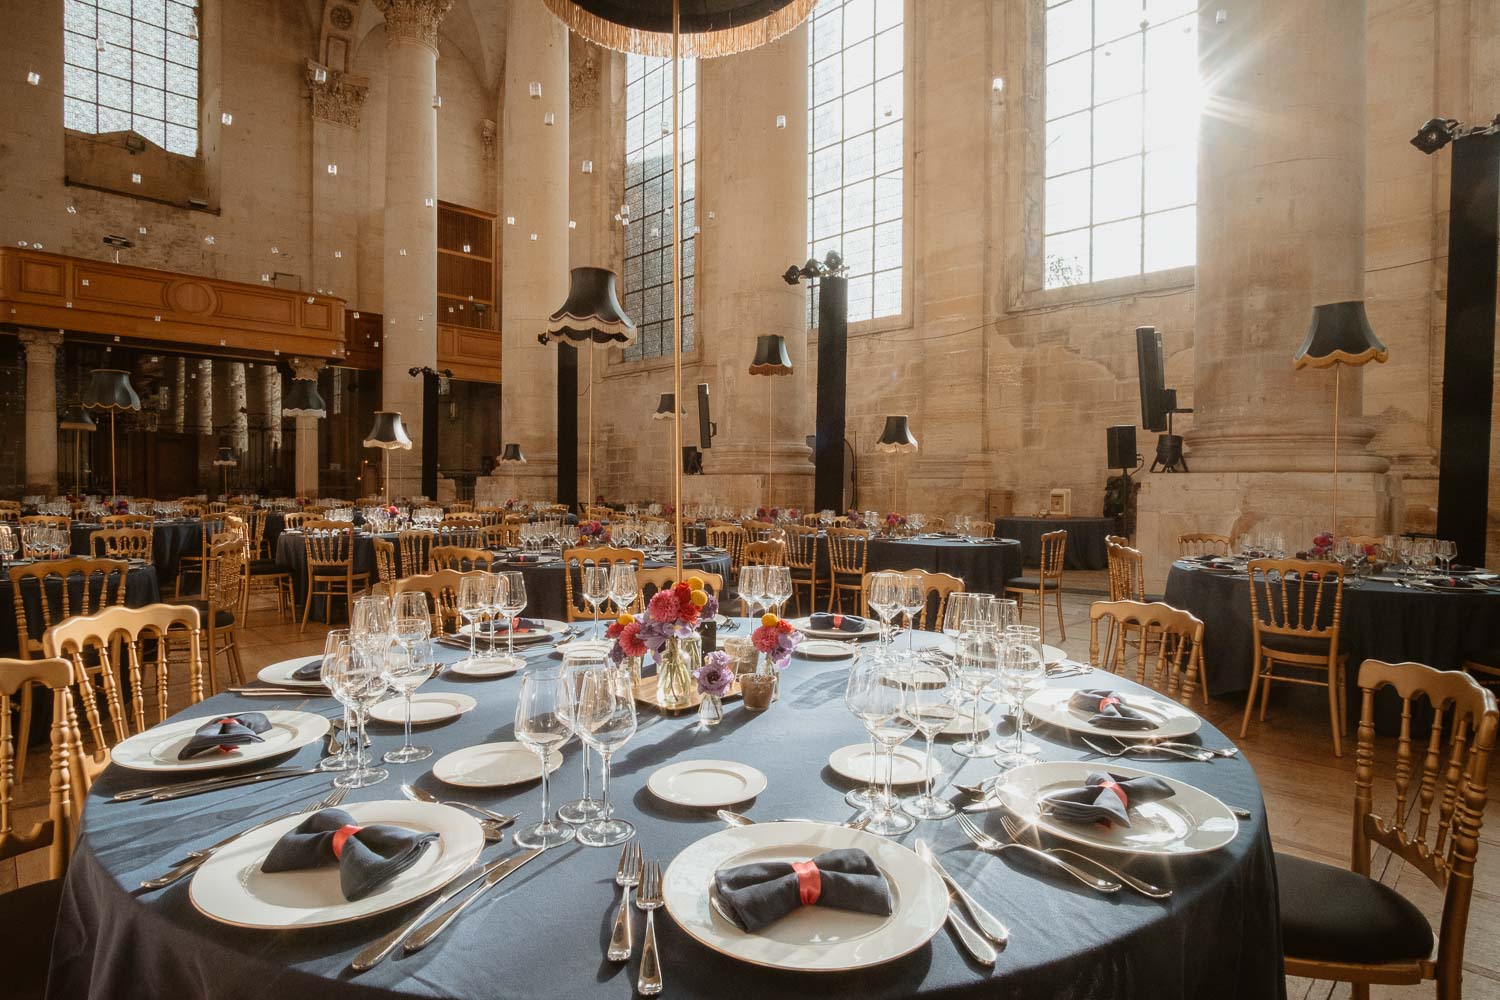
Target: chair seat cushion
column 1029, row 583
column 29, row 916
column 1302, row 645
column 1484, row 657
column 1335, row 915
column 265, row 567
column 222, row 617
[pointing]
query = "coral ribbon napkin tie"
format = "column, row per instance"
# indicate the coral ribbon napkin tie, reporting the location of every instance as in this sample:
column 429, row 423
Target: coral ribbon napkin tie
column 758, row 895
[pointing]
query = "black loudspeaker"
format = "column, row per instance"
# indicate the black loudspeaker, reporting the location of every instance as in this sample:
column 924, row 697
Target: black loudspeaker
column 1153, row 378
column 706, row 426
column 1121, row 441
column 828, row 456
column 692, row 461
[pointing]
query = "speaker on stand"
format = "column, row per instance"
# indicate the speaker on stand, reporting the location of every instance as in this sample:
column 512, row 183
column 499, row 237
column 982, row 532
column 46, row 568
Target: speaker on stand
column 1119, row 492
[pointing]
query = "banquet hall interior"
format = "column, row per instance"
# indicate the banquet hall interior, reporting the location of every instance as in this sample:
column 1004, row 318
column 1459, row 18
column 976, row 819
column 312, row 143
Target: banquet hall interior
column 905, row 442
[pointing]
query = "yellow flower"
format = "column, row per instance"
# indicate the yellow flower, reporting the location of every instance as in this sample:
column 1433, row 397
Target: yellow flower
column 699, row 598
column 695, row 583
column 625, row 618
column 769, row 620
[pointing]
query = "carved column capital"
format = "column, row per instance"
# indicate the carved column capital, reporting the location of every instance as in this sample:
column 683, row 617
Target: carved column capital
column 40, row 343
column 417, row 20
column 338, row 97
column 487, row 136
column 307, row 368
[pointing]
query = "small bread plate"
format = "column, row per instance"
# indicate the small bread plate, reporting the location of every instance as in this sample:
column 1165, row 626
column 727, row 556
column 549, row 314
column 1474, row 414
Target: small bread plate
column 492, row 765
column 426, row 708
column 706, row 784
column 856, row 762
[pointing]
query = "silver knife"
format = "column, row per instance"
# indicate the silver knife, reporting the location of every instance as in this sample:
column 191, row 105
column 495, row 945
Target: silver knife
column 208, row 784
column 974, row 943
column 379, row 949
column 424, row 934
column 989, row 925
column 249, row 779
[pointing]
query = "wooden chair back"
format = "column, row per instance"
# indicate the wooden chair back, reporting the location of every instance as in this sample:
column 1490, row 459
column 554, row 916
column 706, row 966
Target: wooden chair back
column 500, row 536
column 1296, row 598
column 102, row 584
column 1127, row 573
column 1172, row 662
column 217, row 507
column 649, row 581
column 801, row 550
column 460, row 529
column 1199, row 543
column 155, row 643
column 936, row 588
column 981, row 528
column 593, row 513
column 121, row 543
column 809, row 520
column 69, row 778
column 294, row 519
column 226, row 574
column 47, row 521
column 462, row 557
column 1054, row 551
column 848, row 551
column 441, row 587
column 145, row 521
column 460, row 507
column 385, row 560
column 574, row 560
column 730, row 537
column 416, row 549
column 760, row 531
column 330, row 547
column 770, row 552
column 10, row 515
column 490, row 515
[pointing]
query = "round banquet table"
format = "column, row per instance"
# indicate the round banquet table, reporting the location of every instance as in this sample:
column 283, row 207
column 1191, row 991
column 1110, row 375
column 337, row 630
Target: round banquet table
column 1380, row 620
column 170, row 541
column 546, row 596
column 985, row 565
column 141, row 588
column 1085, row 538
column 542, row 932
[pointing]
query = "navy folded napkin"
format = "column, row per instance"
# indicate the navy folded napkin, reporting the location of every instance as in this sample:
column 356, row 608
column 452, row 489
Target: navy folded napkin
column 760, row 894
column 309, row 672
column 1110, row 711
column 225, row 734
column 521, row 625
column 823, row 621
column 1105, row 798
column 367, row 856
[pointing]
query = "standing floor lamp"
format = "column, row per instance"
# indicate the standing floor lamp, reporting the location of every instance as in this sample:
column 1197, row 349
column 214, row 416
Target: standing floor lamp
column 225, row 460
column 770, row 359
column 387, row 434
column 110, row 389
column 896, row 439
column 80, row 422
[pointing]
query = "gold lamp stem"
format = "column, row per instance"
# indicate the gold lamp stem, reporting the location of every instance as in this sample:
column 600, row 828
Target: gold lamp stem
column 590, row 498
column 676, row 456
column 769, row 439
column 113, row 489
column 1337, row 369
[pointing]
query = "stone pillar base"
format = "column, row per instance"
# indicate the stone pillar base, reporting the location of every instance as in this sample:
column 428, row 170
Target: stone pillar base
column 1296, row 505
column 532, row 481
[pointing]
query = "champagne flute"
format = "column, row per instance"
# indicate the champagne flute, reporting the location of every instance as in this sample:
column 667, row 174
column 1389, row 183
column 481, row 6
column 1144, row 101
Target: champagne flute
column 405, row 672
column 752, row 588
column 1023, row 673
column 595, row 590
column 603, row 716
column 472, row 599
column 510, row 591
column 542, row 728
column 350, row 749
column 930, row 708
column 876, row 693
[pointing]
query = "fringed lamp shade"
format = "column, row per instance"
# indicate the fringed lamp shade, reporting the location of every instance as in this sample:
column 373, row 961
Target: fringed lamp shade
column 771, row 357
column 593, row 311
column 110, row 390
column 1339, row 334
column 708, row 28
column 77, row 419
column 511, row 455
column 897, row 436
column 304, row 400
column 387, row 432
column 225, row 457
column 664, row 408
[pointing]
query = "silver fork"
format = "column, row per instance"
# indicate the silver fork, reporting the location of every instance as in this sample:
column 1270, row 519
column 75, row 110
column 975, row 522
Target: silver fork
column 627, row 875
column 1211, row 751
column 985, row 842
column 1150, row 748
column 649, row 898
column 1016, row 830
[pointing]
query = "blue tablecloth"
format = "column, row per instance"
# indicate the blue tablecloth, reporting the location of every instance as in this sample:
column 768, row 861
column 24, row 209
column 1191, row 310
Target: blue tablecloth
column 1085, row 538
column 141, row 588
column 170, row 541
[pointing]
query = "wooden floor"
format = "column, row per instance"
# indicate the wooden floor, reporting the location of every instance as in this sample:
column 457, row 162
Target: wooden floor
column 1308, row 792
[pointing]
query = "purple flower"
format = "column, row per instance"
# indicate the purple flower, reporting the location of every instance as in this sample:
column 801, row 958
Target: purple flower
column 714, row 676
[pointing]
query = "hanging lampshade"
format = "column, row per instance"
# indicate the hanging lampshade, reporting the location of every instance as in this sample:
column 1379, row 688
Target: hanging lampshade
column 665, row 407
column 511, row 455
column 387, row 432
column 771, row 357
column 304, row 400
column 708, row 28
column 1339, row 334
column 77, row 419
column 109, row 389
column 225, row 457
column 593, row 310
column 897, row 436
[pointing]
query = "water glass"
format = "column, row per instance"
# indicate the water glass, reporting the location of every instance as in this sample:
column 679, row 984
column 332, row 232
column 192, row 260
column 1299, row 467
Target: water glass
column 596, row 590
column 541, row 726
column 350, row 749
column 510, row 601
column 1023, row 673
column 357, row 676
column 930, row 707
column 602, row 714
column 752, row 588
column 404, row 671
column 876, row 693
column 886, row 593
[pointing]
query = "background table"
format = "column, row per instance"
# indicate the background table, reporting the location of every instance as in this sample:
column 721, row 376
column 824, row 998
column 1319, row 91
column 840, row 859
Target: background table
column 1085, row 538
column 542, row 933
column 170, row 541
column 141, row 588
column 1380, row 620
column 985, row 565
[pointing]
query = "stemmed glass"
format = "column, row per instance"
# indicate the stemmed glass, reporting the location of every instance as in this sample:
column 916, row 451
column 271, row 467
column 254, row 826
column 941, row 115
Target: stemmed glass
column 877, row 693
column 509, row 601
column 778, row 586
column 596, row 591
column 930, row 707
column 358, row 681
column 350, row 750
column 752, row 588
column 1447, row 551
column 473, row 600
column 913, row 601
column 541, row 726
column 887, row 591
column 1022, row 673
column 602, row 713
column 587, row 808
column 404, row 670
column 495, row 600
column 622, row 586
column 975, row 668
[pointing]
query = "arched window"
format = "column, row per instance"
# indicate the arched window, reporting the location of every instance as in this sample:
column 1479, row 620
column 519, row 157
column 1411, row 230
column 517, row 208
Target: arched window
column 132, row 66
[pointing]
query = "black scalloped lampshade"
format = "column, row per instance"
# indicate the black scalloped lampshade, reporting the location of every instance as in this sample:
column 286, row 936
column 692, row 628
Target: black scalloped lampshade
column 304, row 400
column 593, row 311
column 665, row 406
column 707, row 28
column 771, row 357
column 387, row 432
column 225, row 457
column 77, row 419
column 511, row 455
column 110, row 389
column 897, row 436
column 1339, row 334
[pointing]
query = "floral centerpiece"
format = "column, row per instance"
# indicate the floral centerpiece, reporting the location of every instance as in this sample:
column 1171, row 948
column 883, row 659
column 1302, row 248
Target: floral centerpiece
column 119, row 505
column 668, row 631
column 894, row 523
column 596, row 532
column 775, row 638
column 855, row 518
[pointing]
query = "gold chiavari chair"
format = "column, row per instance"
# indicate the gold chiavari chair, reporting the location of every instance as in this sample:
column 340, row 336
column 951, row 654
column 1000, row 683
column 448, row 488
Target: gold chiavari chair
column 1296, row 607
column 385, row 560
column 981, row 528
column 848, row 556
column 499, row 536
column 460, row 507
column 121, row 543
column 255, row 528
column 810, row 520
column 936, row 588
column 124, row 663
column 14, row 505
column 47, row 521
column 1172, row 662
column 515, row 520
column 29, row 914
column 574, row 560
column 593, row 513
column 10, row 515
column 293, row 520
column 330, row 566
column 268, row 575
column 213, row 524
column 771, row 552
column 649, row 581
column 222, row 607
column 441, row 587
column 1116, row 540
column 143, row 521
column 1484, row 666
column 415, row 546
column 731, row 538
column 490, row 515
column 1351, row 927
column 1199, row 543
column 1047, row 581
column 760, row 531
column 802, row 559
column 462, row 529
column 218, row 507
column 462, row 558
column 1127, row 573
column 1364, row 540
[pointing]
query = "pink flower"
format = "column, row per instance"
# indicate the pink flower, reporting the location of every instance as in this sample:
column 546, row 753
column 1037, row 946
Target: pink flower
column 630, row 640
column 664, row 606
column 765, row 638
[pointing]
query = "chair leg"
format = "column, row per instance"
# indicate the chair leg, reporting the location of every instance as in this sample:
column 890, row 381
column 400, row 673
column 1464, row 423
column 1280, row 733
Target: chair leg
column 1062, row 630
column 232, row 657
column 1041, row 613
column 23, row 738
column 307, row 608
column 1250, row 700
column 1333, row 709
column 1265, row 692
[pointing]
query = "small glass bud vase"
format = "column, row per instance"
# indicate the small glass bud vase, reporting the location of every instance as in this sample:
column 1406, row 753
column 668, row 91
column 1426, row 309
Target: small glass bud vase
column 675, row 688
column 710, row 711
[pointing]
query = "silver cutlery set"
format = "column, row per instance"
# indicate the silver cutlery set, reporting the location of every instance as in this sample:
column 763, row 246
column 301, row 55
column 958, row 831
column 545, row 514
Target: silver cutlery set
column 634, row 872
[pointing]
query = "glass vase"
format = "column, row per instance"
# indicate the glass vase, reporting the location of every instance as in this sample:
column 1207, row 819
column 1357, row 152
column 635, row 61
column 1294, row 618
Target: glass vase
column 710, row 711
column 675, row 688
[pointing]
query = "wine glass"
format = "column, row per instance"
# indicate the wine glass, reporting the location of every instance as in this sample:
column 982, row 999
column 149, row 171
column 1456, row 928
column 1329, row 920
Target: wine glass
column 541, row 727
column 371, row 621
column 930, row 707
column 357, row 669
column 473, row 599
column 603, row 715
column 586, row 808
column 1447, row 551
column 1023, row 672
column 349, row 749
column 976, row 667
column 404, row 671
column 510, row 600
column 877, row 692
column 752, row 588
column 778, row 586
column 495, row 598
column 622, row 586
column 596, row 590
column 913, row 601
column 885, row 596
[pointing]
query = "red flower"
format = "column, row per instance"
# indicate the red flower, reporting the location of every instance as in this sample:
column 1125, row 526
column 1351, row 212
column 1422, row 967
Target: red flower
column 630, row 640
column 665, row 606
column 689, row 613
column 613, row 632
column 783, row 626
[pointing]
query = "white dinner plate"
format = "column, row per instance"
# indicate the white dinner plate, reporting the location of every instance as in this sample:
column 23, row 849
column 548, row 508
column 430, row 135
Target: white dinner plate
column 706, row 783
column 1173, row 721
column 280, row 674
column 550, row 631
column 823, row 649
column 586, row 647
column 857, row 763
column 804, row 625
column 485, row 666
column 1190, row 821
column 426, row 708
column 232, row 889
column 492, row 765
column 811, row 938
column 156, row 749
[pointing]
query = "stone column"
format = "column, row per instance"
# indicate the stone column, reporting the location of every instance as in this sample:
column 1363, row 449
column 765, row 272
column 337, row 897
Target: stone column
column 410, row 274
column 1281, row 227
column 238, row 425
column 337, row 102
column 305, row 476
column 41, row 409
column 759, row 176
column 179, row 395
column 534, row 251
